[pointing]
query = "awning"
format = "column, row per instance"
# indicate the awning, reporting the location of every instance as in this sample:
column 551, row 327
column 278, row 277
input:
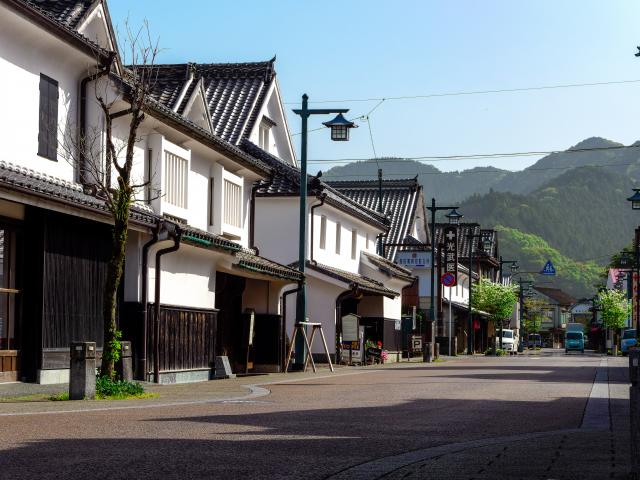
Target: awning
column 354, row 280
column 247, row 258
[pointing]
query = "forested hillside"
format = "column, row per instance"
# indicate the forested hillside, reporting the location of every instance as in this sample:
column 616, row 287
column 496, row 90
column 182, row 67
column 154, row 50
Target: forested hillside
column 532, row 252
column 458, row 186
column 583, row 213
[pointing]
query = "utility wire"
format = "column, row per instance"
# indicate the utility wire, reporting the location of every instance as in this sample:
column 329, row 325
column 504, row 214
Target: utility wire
column 475, row 92
column 470, row 172
column 444, row 158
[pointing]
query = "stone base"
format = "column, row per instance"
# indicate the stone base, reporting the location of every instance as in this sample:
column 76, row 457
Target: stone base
column 187, row 376
column 50, row 377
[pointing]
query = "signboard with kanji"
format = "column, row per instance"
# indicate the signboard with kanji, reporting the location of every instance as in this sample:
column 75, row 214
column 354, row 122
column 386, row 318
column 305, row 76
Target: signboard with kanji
column 414, row 259
column 451, row 254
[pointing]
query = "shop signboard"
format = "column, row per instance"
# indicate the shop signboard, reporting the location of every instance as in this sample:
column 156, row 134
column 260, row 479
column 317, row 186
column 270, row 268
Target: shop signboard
column 414, row 259
column 451, row 255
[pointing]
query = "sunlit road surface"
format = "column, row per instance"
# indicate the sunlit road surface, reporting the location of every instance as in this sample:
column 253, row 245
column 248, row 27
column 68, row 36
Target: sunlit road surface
column 444, row 420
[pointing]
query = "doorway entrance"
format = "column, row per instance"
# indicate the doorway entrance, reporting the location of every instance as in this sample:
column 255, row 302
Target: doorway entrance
column 9, row 305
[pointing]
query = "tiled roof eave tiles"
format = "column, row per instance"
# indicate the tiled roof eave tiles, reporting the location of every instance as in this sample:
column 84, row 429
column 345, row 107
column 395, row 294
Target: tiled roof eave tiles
column 354, row 280
column 247, row 258
column 179, row 122
column 57, row 190
column 389, row 267
column 38, row 13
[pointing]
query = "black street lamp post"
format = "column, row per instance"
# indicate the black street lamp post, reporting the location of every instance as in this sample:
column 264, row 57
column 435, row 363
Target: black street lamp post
column 340, row 127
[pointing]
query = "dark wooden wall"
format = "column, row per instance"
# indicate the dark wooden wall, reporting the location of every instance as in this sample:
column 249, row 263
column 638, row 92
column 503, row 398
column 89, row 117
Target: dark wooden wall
column 76, row 254
column 64, row 274
column 187, row 338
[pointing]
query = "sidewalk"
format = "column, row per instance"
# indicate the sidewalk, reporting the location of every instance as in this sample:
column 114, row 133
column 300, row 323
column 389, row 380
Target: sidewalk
column 598, row 450
column 29, row 399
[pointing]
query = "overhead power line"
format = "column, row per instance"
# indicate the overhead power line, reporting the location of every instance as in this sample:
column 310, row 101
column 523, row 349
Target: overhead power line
column 474, row 92
column 471, row 172
column 472, row 156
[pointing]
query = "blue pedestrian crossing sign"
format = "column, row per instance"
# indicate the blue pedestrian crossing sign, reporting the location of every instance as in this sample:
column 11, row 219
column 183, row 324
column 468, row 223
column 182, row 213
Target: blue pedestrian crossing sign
column 548, row 269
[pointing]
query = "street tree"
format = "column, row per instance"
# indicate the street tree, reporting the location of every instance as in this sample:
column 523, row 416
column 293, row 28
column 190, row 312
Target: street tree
column 534, row 307
column 497, row 299
column 615, row 309
column 104, row 156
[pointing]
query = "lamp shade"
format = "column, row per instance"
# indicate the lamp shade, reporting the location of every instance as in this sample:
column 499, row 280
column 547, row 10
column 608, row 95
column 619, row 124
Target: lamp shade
column 454, row 217
column 340, row 127
column 635, row 199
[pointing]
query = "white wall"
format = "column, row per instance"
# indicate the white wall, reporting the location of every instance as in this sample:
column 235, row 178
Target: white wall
column 276, row 228
column 328, row 255
column 26, row 51
column 321, row 307
column 188, row 277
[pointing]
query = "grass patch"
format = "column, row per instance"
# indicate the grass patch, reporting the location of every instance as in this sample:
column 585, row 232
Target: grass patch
column 108, row 389
column 127, row 397
column 36, row 397
column 59, row 397
column 438, row 360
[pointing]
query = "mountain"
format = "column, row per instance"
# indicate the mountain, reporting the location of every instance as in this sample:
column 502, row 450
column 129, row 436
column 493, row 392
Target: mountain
column 582, row 213
column 456, row 186
column 577, row 278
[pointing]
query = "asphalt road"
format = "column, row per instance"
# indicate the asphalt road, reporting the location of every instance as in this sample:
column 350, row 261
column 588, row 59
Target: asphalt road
column 326, row 425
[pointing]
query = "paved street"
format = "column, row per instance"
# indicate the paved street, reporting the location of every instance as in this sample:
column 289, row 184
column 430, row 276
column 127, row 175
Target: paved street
column 471, row 418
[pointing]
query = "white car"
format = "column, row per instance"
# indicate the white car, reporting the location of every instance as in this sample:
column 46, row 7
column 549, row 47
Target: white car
column 509, row 340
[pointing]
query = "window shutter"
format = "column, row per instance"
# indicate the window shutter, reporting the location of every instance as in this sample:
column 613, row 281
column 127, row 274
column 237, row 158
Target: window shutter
column 48, row 118
column 43, row 110
column 53, row 120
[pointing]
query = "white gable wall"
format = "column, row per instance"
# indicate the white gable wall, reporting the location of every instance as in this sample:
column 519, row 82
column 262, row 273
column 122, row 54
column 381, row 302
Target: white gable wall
column 279, row 139
column 26, row 51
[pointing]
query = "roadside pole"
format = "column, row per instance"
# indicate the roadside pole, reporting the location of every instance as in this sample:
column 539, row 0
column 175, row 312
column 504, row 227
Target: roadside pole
column 449, row 351
column 634, row 410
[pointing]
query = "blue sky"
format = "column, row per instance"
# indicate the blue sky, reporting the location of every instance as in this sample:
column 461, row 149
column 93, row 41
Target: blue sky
column 362, row 49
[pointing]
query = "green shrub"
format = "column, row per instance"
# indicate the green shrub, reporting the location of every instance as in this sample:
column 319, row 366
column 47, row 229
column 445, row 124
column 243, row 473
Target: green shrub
column 499, row 352
column 108, row 388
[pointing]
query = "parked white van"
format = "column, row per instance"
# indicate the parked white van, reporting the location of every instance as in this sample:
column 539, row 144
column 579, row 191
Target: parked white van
column 509, row 340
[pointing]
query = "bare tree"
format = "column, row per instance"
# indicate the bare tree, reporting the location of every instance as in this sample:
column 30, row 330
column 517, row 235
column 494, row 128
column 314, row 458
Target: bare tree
column 105, row 162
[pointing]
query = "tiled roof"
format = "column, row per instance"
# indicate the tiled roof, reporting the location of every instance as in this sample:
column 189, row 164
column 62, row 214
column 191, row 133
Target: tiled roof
column 286, row 177
column 389, row 267
column 286, row 182
column 55, row 189
column 234, row 92
column 258, row 264
column 556, row 294
column 354, row 280
column 67, row 12
column 60, row 17
column 179, row 122
column 400, row 199
column 247, row 258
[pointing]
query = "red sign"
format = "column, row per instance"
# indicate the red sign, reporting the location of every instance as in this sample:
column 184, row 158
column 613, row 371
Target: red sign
column 448, row 279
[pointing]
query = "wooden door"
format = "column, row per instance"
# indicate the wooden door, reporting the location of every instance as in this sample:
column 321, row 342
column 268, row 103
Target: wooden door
column 9, row 334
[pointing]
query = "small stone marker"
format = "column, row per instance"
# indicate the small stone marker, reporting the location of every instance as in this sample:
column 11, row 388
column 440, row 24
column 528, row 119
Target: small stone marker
column 82, row 373
column 125, row 367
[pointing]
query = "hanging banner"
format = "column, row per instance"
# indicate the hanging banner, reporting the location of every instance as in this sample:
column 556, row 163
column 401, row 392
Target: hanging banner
column 451, row 255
